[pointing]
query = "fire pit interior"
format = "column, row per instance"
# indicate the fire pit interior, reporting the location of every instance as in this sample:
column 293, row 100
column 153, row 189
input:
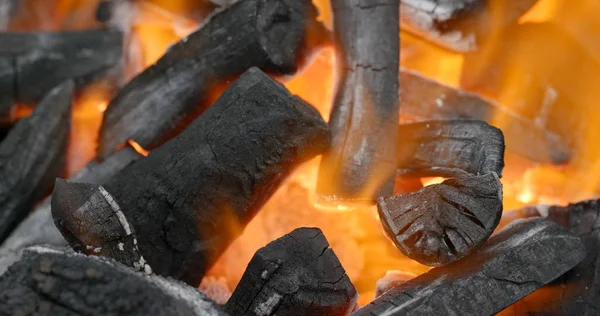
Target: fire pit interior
column 298, row 157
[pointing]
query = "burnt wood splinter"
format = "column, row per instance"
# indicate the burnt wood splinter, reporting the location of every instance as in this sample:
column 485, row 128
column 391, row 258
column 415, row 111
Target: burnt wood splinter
column 191, row 197
column 450, row 148
column 516, row 261
column 362, row 161
column 50, row 282
column 297, row 274
column 33, row 155
column 158, row 103
column 444, row 222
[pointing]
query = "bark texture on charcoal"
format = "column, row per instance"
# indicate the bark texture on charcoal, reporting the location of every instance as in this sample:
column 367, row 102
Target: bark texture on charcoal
column 425, row 99
column 297, row 274
column 155, row 105
column 577, row 292
column 364, row 120
column 459, row 24
column 31, row 64
column 450, row 148
column 39, row 229
column 443, row 222
column 192, row 196
column 512, row 264
column 49, row 282
column 32, row 156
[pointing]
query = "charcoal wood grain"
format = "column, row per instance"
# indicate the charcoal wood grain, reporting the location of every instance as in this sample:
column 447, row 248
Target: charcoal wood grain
column 444, row 222
column 49, row 282
column 426, row 99
column 191, row 197
column 361, row 163
column 164, row 98
column 297, row 274
column 31, row 64
column 521, row 258
column 39, row 229
column 450, row 148
column 32, row 155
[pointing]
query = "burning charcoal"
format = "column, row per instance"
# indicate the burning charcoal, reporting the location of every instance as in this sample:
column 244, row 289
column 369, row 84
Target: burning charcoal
column 444, row 222
column 513, row 263
column 391, row 280
column 425, row 99
column 39, row 228
column 32, row 155
column 49, row 282
column 31, row 64
column 297, row 274
column 362, row 161
column 450, row 148
column 192, row 196
column 216, row 288
column 458, row 24
column 576, row 292
column 269, row 34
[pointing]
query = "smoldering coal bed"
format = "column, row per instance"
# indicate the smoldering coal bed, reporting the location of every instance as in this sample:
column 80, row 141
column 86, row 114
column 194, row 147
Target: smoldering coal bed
column 201, row 154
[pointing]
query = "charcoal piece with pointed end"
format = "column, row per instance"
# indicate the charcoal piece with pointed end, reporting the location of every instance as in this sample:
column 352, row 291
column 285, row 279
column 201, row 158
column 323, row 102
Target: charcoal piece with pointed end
column 516, row 261
column 450, row 148
column 188, row 199
column 425, row 99
column 32, row 156
column 49, row 282
column 361, row 163
column 459, row 25
column 155, row 105
column 444, row 222
column 297, row 274
column 39, row 229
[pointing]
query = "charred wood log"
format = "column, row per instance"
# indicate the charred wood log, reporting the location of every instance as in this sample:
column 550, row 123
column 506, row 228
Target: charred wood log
column 444, row 222
column 49, row 282
column 189, row 198
column 31, row 64
column 577, row 292
column 512, row 264
column 39, row 229
column 450, row 149
column 458, row 24
column 425, row 99
column 270, row 34
column 297, row 274
column 32, row 155
column 361, row 163
column 392, row 279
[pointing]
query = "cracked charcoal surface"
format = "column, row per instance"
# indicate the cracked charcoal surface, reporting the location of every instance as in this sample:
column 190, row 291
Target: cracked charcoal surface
column 512, row 264
column 32, row 155
column 39, row 229
column 163, row 99
column 48, row 282
column 192, row 196
column 444, row 222
column 450, row 148
column 426, row 99
column 361, row 163
column 297, row 274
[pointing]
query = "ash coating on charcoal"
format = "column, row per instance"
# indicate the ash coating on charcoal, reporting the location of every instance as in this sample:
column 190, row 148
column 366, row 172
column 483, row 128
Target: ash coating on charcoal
column 450, row 148
column 512, row 264
column 165, row 97
column 39, row 229
column 31, row 64
column 188, row 199
column 362, row 161
column 576, row 292
column 49, row 282
column 32, row 155
column 297, row 274
column 444, row 222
